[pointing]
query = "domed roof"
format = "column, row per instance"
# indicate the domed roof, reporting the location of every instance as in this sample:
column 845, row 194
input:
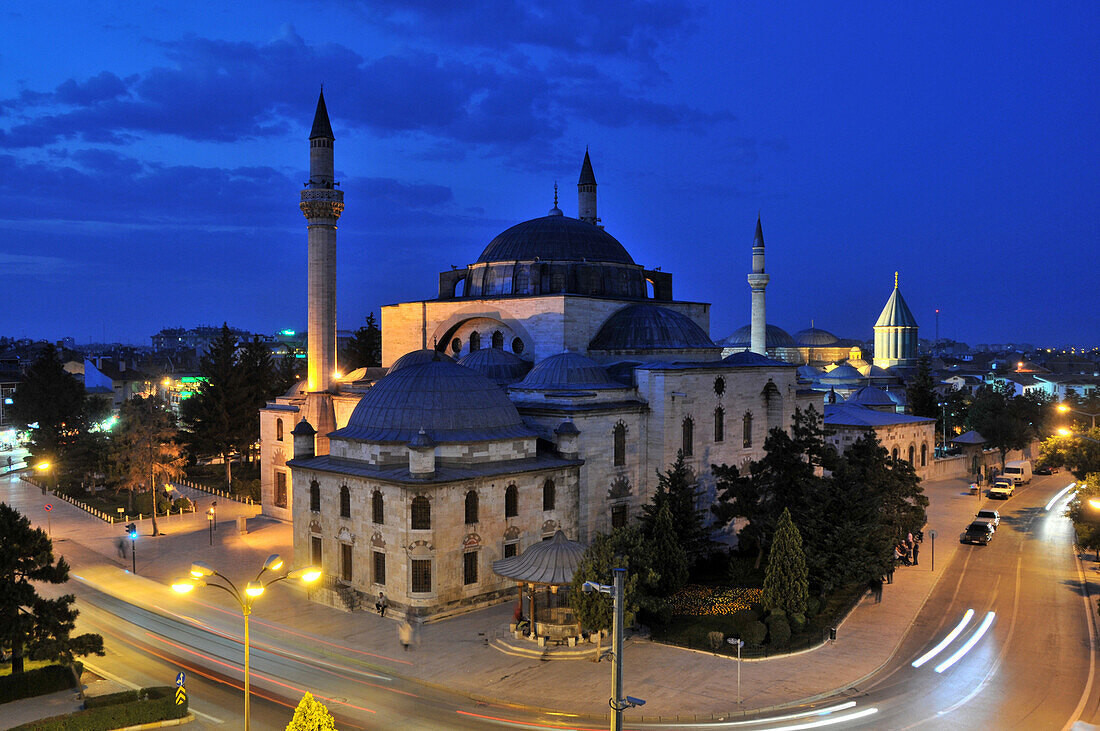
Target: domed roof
column 418, row 356
column 775, row 337
column 842, row 374
column 496, row 365
column 567, row 372
column 555, row 238
column 869, row 396
column 649, row 327
column 815, row 337
column 809, row 373
column 451, row 403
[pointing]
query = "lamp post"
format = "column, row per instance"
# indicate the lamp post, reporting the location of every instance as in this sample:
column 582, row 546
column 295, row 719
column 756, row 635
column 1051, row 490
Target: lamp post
column 738, row 643
column 43, row 467
column 210, row 524
column 201, row 572
column 617, row 702
column 214, row 513
column 1064, row 408
column 932, row 533
column 131, row 532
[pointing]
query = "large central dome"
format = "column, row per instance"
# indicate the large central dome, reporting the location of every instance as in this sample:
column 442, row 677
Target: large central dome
column 555, row 238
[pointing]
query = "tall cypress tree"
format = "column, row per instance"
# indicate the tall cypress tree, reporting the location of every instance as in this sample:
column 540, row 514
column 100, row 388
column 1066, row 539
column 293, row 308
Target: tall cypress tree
column 364, row 350
column 667, row 555
column 786, row 581
column 677, row 489
column 921, row 392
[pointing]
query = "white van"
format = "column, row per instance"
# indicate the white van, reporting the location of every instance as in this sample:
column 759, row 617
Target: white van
column 1019, row 470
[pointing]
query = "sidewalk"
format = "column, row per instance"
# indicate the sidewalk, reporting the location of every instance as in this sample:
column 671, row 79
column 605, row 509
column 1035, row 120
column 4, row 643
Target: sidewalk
column 16, row 713
column 455, row 653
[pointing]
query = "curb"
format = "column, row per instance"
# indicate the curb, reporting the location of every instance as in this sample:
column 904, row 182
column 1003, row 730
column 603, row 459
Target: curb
column 159, row 724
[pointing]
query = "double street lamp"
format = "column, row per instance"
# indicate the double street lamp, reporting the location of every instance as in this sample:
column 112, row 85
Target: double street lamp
column 617, row 591
column 1065, row 408
column 201, row 574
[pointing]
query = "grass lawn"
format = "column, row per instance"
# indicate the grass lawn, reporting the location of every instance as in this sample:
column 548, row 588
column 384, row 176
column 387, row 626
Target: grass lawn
column 28, row 664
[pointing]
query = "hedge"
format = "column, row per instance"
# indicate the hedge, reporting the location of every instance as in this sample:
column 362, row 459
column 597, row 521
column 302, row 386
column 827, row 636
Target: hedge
column 48, row 679
column 156, row 704
column 111, row 699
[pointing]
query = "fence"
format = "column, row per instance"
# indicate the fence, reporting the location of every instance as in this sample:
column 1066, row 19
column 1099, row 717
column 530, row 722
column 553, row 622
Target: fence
column 103, row 514
column 215, row 491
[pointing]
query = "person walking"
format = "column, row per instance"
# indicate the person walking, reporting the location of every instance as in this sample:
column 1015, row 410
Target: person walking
column 404, row 634
column 381, row 604
column 916, row 552
column 876, row 590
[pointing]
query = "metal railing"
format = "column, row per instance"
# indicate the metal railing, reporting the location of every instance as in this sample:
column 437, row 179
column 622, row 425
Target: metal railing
column 246, row 500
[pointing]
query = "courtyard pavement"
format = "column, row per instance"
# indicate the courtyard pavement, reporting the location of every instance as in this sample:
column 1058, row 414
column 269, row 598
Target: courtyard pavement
column 455, row 653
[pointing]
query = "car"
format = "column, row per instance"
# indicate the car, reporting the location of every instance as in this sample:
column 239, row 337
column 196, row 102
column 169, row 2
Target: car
column 1003, row 488
column 979, row 532
column 1042, row 469
column 990, row 516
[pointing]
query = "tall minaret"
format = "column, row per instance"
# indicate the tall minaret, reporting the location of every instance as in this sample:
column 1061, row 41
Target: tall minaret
column 586, row 193
column 758, row 280
column 322, row 205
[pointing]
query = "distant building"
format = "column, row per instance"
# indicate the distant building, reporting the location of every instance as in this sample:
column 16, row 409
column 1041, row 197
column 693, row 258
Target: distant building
column 196, row 338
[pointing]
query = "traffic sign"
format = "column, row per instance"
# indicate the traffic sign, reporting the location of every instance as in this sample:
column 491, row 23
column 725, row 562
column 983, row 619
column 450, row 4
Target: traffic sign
column 181, row 678
column 48, row 507
column 181, row 695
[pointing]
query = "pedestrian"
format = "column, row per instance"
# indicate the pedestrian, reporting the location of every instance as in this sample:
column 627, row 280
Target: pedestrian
column 916, row 552
column 890, row 575
column 910, row 541
column 404, row 634
column 381, row 604
column 876, row 590
column 121, row 546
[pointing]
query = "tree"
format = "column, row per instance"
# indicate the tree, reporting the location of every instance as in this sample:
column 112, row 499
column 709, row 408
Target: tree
column 893, row 483
column 364, row 350
column 667, row 555
column 145, row 450
column 676, row 490
column 921, row 391
column 259, row 384
column 33, row 626
column 996, row 415
column 287, row 373
column 1079, row 453
column 1085, row 517
column 311, row 715
column 786, row 583
column 219, row 413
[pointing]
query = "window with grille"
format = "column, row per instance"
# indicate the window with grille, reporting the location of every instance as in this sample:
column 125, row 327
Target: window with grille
column 475, row 341
column 924, row 454
column 376, row 513
column 620, row 444
column 548, row 495
column 279, row 429
column 689, row 437
column 314, row 496
column 421, row 513
column 719, row 424
column 469, row 567
column 315, row 550
column 618, row 516
column 379, row 568
column 280, row 489
column 510, row 549
column 498, row 340
column 345, row 561
column 746, row 430
column 345, row 502
column 421, row 575
column 511, row 502
column 471, row 507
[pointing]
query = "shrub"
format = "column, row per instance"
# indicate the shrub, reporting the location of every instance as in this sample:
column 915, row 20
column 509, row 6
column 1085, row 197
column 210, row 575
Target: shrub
column 156, row 704
column 753, row 633
column 181, row 503
column 111, row 699
column 813, row 606
column 798, row 623
column 48, row 679
column 715, row 640
column 779, row 631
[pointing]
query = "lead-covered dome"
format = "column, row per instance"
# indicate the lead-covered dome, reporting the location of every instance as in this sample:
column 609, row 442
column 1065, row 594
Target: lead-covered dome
column 416, row 357
column 775, row 337
column 567, row 372
column 496, row 364
column 555, row 238
column 649, row 327
column 815, row 337
column 451, row 403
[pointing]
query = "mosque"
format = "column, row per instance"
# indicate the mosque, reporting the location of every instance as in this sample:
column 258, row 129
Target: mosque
column 540, row 390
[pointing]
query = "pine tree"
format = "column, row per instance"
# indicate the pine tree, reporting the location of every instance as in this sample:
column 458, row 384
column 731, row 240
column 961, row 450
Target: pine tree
column 259, row 385
column 677, row 489
column 311, row 715
column 921, row 391
column 786, row 582
column 32, row 626
column 364, row 350
column 145, row 452
column 667, row 555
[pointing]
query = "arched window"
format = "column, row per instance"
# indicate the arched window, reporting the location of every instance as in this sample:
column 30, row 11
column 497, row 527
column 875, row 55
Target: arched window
column 924, row 454
column 746, row 430
column 548, row 495
column 279, row 429
column 421, row 513
column 719, row 385
column 376, row 513
column 511, row 502
column 314, row 496
column 475, row 341
column 719, row 424
column 345, row 502
column 689, row 436
column 498, row 340
column 912, row 453
column 894, row 453
column 620, row 444
column 471, row 507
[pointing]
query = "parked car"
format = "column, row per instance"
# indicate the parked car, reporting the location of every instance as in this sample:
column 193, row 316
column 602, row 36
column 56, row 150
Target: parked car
column 1002, row 489
column 1042, row 469
column 979, row 532
column 1019, row 470
column 990, row 516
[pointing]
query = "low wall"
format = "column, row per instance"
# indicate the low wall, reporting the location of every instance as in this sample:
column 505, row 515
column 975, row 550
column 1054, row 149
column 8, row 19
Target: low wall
column 958, row 467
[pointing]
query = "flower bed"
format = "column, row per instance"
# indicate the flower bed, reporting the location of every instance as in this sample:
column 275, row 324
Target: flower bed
column 696, row 600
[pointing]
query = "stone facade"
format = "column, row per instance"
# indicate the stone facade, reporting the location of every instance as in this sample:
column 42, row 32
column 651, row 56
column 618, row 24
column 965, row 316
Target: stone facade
column 912, row 438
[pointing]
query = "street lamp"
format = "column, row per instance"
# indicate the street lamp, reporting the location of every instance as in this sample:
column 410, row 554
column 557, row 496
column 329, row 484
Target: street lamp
column 210, row 524
column 1064, row 408
column 617, row 702
column 201, row 574
column 738, row 643
column 43, row 467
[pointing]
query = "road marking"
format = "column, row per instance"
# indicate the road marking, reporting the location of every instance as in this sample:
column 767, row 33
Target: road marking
column 982, row 629
column 770, row 719
column 946, row 640
column 1092, row 648
column 1055, row 499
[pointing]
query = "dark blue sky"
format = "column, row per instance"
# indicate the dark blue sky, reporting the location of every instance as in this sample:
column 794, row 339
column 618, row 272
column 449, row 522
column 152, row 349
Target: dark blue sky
column 151, row 161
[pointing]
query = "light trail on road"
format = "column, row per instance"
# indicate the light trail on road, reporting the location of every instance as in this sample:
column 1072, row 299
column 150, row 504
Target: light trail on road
column 1058, row 497
column 946, row 640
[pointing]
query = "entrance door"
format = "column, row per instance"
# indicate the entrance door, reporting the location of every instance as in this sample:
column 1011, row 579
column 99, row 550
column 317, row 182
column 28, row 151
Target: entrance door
column 345, row 561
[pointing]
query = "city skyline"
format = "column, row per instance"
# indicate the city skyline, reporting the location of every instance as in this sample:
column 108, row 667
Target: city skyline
column 155, row 168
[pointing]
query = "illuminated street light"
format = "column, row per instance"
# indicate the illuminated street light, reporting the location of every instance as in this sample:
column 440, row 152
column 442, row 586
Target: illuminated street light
column 253, row 589
column 1065, row 408
column 43, row 466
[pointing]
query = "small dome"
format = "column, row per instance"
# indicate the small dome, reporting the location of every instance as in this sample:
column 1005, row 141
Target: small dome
column 555, row 238
column 416, row 357
column 298, row 388
column 567, row 372
column 815, row 337
column 449, row 402
column 869, row 396
column 842, row 375
column 809, row 373
column 649, row 327
column 748, row 358
column 496, row 365
column 776, row 337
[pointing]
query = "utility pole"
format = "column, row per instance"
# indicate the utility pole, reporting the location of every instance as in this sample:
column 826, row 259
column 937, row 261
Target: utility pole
column 617, row 590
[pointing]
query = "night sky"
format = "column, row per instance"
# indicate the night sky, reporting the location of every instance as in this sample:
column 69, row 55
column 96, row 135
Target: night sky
column 151, row 157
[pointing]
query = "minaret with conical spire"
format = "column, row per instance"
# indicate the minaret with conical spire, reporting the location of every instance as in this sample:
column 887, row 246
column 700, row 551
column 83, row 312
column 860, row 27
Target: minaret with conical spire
column 586, row 193
column 321, row 204
column 758, row 281
column 896, row 342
